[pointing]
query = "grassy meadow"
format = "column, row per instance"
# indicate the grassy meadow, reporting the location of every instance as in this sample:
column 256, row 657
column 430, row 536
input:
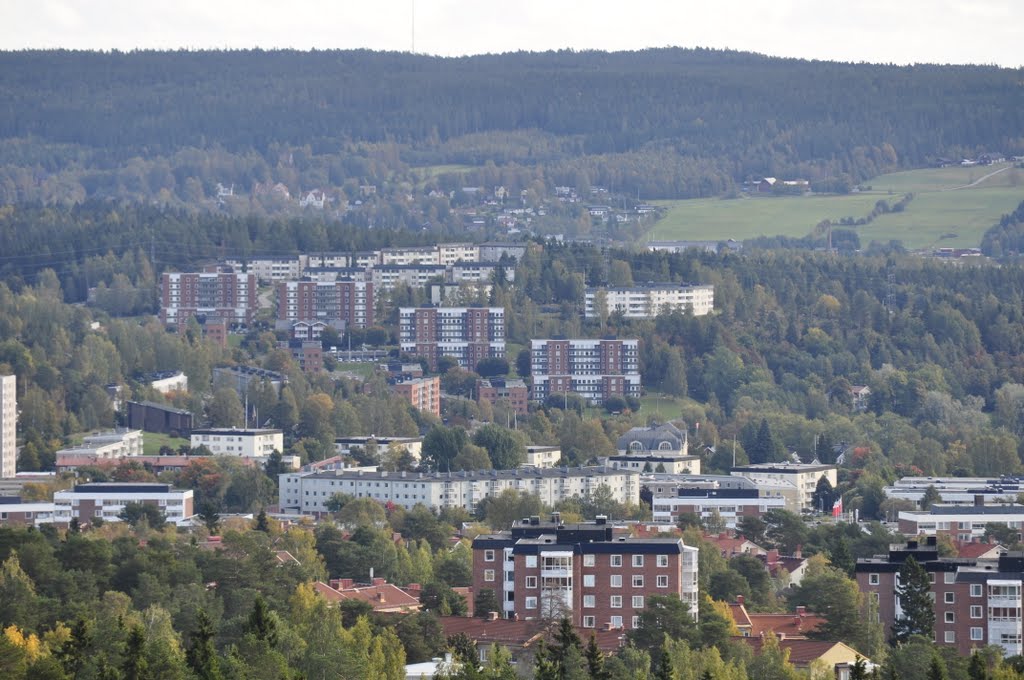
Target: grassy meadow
column 951, row 207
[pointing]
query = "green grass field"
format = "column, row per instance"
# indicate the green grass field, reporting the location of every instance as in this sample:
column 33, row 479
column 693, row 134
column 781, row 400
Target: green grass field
column 152, row 441
column 428, row 171
column 945, row 211
column 361, row 368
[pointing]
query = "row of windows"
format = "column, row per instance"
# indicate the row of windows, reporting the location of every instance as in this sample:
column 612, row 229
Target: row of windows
column 589, row 581
column 589, row 560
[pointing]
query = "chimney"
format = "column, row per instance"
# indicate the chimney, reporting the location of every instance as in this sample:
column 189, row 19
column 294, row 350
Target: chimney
column 379, row 581
column 979, row 500
column 492, row 616
column 801, row 610
column 798, row 552
column 739, row 599
column 601, row 519
column 380, row 597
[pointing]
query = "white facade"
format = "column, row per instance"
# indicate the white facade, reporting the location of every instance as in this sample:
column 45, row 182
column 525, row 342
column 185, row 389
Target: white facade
column 386, row 277
column 646, row 302
column 413, row 445
column 666, row 509
column 407, row 256
column 804, row 476
column 450, row 253
column 86, row 501
column 668, row 464
column 108, row 445
column 8, row 426
column 542, row 456
column 309, row 492
column 239, row 443
column 276, row 268
column 172, row 383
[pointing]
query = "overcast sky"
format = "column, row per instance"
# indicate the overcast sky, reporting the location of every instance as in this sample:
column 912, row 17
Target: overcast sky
column 898, row 31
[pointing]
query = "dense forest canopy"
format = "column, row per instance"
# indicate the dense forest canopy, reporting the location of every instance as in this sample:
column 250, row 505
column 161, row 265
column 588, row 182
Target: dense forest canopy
column 722, row 115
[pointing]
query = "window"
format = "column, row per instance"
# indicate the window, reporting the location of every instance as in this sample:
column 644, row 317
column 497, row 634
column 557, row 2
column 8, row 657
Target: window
column 975, row 590
column 950, row 598
column 531, row 561
column 663, row 581
column 531, row 581
column 589, row 621
column 616, row 581
column 488, row 556
column 976, row 633
column 589, row 601
column 588, row 560
column 588, row 580
column 616, row 560
column 531, row 603
column 638, row 581
column 616, row 602
column 638, row 560
column 950, row 617
column 975, row 611
column 950, row 636
column 662, row 560
column 873, row 579
column 636, row 622
column 488, row 574
column 615, row 622
column 948, row 577
column 638, row 602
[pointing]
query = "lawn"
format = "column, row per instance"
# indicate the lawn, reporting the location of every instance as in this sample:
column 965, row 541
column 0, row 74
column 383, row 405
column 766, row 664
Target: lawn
column 361, row 368
column 428, row 171
column 945, row 211
column 152, row 441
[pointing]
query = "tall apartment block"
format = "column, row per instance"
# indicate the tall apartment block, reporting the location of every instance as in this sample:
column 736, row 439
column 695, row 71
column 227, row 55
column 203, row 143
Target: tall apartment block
column 8, row 425
column 467, row 334
column 593, row 369
column 977, row 602
column 348, row 301
column 647, row 302
column 226, row 295
column 422, row 393
column 547, row 569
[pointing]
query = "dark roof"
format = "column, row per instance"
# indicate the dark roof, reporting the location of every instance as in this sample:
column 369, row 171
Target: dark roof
column 113, row 487
column 162, row 407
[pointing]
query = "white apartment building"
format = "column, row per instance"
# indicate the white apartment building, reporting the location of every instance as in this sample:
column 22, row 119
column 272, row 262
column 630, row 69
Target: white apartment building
column 230, row 441
column 593, row 369
column 542, row 456
column 959, row 490
column 646, row 302
column 119, row 443
column 309, row 492
column 960, row 523
column 804, row 476
column 669, row 464
column 450, row 253
column 275, row 268
column 478, row 272
column 107, row 500
column 386, row 276
column 413, row 445
column 729, row 504
column 169, row 381
column 8, row 426
column 410, row 256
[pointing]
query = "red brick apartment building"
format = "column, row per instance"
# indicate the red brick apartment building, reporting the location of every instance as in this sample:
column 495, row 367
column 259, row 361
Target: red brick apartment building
column 977, row 601
column 593, row 369
column 515, row 392
column 601, row 580
column 422, row 393
column 229, row 296
column 468, row 334
column 329, row 301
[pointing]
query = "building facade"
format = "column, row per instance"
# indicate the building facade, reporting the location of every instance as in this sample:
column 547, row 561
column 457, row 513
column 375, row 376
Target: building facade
column 467, row 334
column 647, row 302
column 227, row 295
column 309, row 492
column 330, row 302
column 153, row 417
column 16, row 513
column 593, row 369
column 85, row 502
column 804, row 476
column 512, row 392
column 730, row 505
column 8, row 426
column 961, row 523
column 422, row 393
column 599, row 580
column 977, row 602
column 230, row 441
column 111, row 445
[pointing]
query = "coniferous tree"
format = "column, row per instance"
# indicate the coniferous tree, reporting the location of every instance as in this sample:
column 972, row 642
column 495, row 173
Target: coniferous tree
column 913, row 592
column 201, row 654
column 664, row 669
column 261, row 522
column 261, row 622
column 595, row 660
column 937, row 669
column 135, row 666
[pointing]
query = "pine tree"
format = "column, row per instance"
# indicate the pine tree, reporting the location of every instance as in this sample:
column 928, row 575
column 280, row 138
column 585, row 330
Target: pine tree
column 135, row 666
column 976, row 669
column 859, row 671
column 595, row 660
column 261, row 622
column 261, row 522
column 913, row 591
column 201, row 655
column 937, row 669
column 664, row 669
column 564, row 638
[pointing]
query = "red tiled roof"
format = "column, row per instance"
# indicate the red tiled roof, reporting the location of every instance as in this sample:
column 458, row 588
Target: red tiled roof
column 512, row 633
column 792, row 625
column 973, row 549
column 732, row 545
column 384, row 597
column 801, row 652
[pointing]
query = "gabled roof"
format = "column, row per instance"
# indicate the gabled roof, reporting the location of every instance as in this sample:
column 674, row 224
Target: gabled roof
column 384, row 597
column 790, row 625
column 803, row 652
column 521, row 634
column 734, row 545
column 974, row 550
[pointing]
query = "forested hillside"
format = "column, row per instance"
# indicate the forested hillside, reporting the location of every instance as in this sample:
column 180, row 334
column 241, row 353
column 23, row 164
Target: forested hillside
column 669, row 122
